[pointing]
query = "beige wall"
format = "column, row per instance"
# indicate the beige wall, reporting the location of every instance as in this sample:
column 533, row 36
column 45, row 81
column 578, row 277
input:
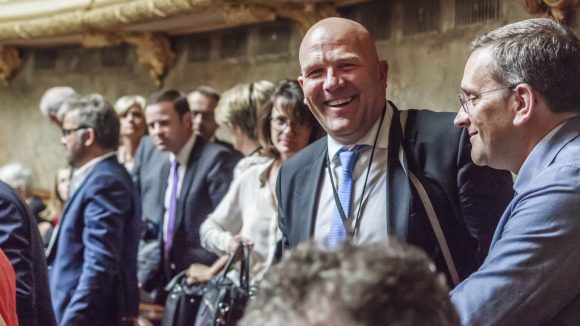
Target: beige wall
column 424, row 72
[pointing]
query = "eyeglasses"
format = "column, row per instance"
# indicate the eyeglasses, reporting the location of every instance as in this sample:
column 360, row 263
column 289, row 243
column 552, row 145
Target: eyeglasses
column 465, row 101
column 281, row 123
column 66, row 132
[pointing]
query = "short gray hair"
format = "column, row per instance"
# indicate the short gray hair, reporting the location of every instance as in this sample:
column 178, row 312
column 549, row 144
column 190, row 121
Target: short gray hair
column 540, row 52
column 96, row 113
column 17, row 176
column 378, row 284
column 53, row 98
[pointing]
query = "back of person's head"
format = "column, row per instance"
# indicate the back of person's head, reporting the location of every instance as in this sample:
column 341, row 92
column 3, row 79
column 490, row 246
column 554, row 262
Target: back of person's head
column 240, row 106
column 379, row 284
column 96, row 113
column 289, row 97
column 17, row 176
column 178, row 99
column 53, row 98
column 540, row 52
column 124, row 103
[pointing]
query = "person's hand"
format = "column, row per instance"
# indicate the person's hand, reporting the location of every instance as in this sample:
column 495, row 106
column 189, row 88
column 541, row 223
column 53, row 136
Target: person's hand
column 198, row 273
column 237, row 240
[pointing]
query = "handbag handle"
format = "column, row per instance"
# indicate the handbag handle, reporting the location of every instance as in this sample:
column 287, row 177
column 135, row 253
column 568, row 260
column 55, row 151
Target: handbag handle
column 245, row 266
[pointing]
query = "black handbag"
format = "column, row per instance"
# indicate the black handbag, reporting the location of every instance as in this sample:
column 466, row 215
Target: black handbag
column 224, row 301
column 182, row 302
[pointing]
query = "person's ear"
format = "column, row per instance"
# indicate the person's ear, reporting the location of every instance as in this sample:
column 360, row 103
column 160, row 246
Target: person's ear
column 187, row 119
column 524, row 103
column 383, row 66
column 88, row 137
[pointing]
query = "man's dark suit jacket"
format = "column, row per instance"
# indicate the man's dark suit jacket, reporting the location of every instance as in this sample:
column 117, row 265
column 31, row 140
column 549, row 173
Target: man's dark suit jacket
column 93, row 259
column 468, row 200
column 207, row 178
column 21, row 242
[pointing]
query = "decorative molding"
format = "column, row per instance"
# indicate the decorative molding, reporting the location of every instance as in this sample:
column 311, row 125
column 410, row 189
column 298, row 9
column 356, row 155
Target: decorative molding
column 306, row 15
column 106, row 16
column 303, row 14
column 153, row 49
column 9, row 63
column 562, row 10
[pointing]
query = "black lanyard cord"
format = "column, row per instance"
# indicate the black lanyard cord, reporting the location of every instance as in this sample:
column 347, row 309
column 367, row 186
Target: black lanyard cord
column 351, row 233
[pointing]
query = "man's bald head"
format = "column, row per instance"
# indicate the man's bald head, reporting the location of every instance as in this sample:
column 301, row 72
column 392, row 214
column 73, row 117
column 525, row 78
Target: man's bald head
column 337, row 30
column 344, row 81
column 52, row 99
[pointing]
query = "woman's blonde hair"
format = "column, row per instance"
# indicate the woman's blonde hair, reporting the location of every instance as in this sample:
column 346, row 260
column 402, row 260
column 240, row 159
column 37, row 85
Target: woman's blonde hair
column 241, row 105
column 124, row 103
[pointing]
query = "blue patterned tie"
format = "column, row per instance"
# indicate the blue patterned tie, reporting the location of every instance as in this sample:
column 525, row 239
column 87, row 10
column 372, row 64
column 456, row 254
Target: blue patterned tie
column 337, row 234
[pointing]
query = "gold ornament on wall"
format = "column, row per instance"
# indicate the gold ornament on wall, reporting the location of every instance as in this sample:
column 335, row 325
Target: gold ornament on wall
column 9, row 63
column 153, row 49
column 561, row 10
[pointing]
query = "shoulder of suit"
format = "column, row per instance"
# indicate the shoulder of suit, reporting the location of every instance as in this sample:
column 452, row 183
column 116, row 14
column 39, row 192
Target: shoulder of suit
column 308, row 155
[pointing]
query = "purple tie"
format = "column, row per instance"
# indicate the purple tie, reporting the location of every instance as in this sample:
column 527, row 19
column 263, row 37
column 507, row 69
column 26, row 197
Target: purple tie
column 172, row 206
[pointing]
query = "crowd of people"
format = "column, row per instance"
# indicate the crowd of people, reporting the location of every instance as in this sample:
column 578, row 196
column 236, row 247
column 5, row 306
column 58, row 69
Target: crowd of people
column 356, row 212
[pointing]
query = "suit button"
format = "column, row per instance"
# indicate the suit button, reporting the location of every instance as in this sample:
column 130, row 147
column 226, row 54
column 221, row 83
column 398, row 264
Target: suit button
column 172, row 266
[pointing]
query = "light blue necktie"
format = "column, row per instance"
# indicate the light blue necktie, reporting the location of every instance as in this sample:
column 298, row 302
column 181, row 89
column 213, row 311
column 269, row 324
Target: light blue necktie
column 337, row 234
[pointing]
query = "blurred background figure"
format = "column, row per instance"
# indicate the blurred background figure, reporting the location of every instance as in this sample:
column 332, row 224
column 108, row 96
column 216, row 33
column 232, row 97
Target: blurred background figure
column 52, row 99
column 129, row 109
column 202, row 103
column 19, row 178
column 53, row 211
column 379, row 284
column 248, row 212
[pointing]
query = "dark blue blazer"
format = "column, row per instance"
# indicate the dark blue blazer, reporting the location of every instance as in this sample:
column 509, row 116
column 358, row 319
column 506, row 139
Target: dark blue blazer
column 468, row 199
column 21, row 242
column 93, row 258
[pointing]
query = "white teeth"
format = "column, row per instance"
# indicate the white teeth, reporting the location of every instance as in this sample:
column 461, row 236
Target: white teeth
column 339, row 102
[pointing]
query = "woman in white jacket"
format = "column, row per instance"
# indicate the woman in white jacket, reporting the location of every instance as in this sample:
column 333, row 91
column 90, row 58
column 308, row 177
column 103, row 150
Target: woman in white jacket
column 248, row 212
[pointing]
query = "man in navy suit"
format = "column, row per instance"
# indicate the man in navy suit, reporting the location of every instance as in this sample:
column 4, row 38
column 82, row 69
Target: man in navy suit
column 93, row 256
column 193, row 180
column 21, row 242
column 520, row 99
column 413, row 178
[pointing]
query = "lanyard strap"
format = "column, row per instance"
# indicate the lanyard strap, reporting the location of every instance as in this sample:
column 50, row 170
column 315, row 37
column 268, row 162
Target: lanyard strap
column 349, row 231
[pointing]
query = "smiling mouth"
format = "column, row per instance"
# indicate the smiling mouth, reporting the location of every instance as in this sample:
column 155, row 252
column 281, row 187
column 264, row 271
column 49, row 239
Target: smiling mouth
column 339, row 102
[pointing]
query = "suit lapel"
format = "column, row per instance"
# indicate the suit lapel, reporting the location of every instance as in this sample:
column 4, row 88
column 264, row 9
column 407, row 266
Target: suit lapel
column 398, row 188
column 311, row 177
column 187, row 181
column 51, row 250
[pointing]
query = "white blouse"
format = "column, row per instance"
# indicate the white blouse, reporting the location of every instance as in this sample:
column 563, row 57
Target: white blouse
column 248, row 209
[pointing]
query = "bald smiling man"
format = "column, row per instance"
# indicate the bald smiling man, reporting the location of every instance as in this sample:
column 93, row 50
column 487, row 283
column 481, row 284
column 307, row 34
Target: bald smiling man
column 362, row 183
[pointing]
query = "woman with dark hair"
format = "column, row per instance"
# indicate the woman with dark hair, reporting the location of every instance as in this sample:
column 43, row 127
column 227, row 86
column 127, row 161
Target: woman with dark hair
column 248, row 212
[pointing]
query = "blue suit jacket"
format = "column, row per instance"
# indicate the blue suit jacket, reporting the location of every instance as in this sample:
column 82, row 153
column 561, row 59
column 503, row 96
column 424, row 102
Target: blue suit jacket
column 93, row 261
column 21, row 242
column 532, row 273
column 468, row 199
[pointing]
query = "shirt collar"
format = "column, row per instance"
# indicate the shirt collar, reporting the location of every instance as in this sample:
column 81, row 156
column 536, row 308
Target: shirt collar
column 539, row 158
column 369, row 138
column 183, row 154
column 79, row 175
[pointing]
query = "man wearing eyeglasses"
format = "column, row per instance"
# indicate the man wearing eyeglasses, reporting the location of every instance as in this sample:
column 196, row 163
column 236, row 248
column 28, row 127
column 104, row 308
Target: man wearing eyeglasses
column 92, row 256
column 520, row 103
column 382, row 172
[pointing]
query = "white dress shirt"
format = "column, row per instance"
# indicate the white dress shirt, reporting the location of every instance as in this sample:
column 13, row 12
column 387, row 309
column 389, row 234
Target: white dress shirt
column 373, row 224
column 182, row 157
